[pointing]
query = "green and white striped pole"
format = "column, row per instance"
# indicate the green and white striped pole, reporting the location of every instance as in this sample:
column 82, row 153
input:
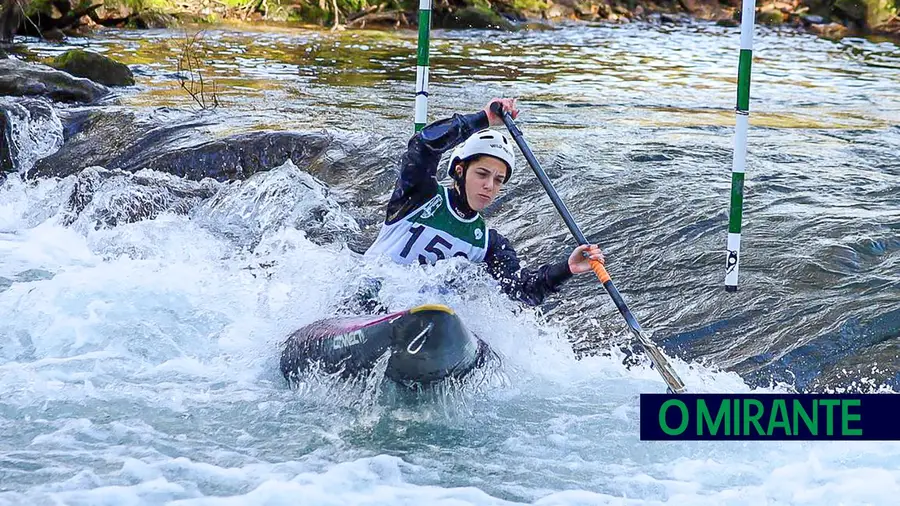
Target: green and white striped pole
column 742, row 114
column 422, row 64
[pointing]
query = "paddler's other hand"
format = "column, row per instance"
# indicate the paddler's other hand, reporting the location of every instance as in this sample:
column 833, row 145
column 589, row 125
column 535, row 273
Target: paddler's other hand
column 580, row 259
column 509, row 104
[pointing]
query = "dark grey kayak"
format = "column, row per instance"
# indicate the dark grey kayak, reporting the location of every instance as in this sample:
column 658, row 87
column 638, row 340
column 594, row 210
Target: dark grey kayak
column 427, row 344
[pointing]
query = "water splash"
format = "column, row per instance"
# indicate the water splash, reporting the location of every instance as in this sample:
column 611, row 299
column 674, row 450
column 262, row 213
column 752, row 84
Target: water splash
column 284, row 196
column 35, row 131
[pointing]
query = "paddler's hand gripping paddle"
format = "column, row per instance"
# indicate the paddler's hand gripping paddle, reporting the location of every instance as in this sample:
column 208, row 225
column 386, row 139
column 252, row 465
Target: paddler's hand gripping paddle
column 656, row 357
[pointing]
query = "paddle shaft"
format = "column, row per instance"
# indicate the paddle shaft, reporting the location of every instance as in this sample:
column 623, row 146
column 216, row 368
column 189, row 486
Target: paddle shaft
column 656, row 357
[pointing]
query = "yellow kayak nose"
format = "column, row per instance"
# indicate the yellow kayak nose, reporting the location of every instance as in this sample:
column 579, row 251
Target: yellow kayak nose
column 432, row 307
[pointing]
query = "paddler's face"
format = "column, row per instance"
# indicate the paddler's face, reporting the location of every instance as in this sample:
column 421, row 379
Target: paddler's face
column 484, row 179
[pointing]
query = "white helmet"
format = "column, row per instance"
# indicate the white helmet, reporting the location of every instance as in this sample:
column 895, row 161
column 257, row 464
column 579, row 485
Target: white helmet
column 485, row 142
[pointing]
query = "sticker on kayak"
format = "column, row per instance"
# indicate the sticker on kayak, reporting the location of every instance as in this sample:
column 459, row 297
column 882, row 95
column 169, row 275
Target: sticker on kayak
column 348, row 340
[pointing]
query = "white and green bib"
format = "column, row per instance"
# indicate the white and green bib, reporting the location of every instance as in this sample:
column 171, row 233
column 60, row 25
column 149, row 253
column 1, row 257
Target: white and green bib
column 430, row 233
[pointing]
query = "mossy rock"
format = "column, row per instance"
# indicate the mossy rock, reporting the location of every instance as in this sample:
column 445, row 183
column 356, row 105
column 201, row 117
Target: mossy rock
column 774, row 17
column 868, row 12
column 528, row 5
column 18, row 78
column 97, row 68
column 477, row 17
column 853, row 9
column 154, row 19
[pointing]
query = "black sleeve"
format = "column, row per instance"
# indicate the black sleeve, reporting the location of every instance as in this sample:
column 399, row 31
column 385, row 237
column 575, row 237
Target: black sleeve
column 418, row 179
column 526, row 285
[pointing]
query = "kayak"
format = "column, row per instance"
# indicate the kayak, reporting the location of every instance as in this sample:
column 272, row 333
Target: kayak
column 426, row 345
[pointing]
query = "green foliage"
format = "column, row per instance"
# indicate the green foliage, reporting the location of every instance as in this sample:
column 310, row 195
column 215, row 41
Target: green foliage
column 142, row 5
column 529, row 5
column 867, row 12
column 352, row 5
column 309, row 12
column 479, row 4
column 242, row 4
column 36, row 7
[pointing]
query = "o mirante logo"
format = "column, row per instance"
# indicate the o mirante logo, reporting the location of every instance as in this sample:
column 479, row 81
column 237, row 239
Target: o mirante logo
column 769, row 416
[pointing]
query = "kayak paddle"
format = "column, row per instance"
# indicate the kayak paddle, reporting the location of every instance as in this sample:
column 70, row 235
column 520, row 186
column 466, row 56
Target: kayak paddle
column 657, row 358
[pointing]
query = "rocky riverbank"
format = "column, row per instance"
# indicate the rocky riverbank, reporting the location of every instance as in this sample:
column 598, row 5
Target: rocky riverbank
column 53, row 19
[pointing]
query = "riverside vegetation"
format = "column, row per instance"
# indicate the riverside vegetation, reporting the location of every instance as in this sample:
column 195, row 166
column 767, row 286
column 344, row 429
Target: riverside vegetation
column 53, row 19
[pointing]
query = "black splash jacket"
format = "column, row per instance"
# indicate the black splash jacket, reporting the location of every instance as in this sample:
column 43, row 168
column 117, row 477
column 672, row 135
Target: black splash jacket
column 418, row 183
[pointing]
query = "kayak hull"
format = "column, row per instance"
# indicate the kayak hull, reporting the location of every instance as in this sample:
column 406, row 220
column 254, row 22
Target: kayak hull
column 426, row 345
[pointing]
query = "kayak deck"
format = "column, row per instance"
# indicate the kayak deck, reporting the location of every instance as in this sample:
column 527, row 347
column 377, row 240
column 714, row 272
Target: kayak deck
column 426, row 344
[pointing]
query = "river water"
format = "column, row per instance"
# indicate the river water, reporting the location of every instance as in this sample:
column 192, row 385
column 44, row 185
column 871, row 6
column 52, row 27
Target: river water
column 138, row 363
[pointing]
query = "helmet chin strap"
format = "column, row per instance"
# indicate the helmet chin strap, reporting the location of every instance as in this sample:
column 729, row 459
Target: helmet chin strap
column 463, row 202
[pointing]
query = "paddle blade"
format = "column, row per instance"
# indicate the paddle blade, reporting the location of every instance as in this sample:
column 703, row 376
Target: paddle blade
column 661, row 363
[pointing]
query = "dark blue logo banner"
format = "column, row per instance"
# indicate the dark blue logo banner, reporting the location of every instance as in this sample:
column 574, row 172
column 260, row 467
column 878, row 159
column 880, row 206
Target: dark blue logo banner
column 847, row 417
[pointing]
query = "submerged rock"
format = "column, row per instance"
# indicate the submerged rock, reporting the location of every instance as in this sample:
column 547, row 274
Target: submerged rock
column 92, row 138
column 244, row 211
column 7, row 155
column 18, row 78
column 118, row 140
column 108, row 198
column 97, row 68
column 474, row 17
column 236, row 157
column 835, row 30
column 285, row 196
column 812, row 20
